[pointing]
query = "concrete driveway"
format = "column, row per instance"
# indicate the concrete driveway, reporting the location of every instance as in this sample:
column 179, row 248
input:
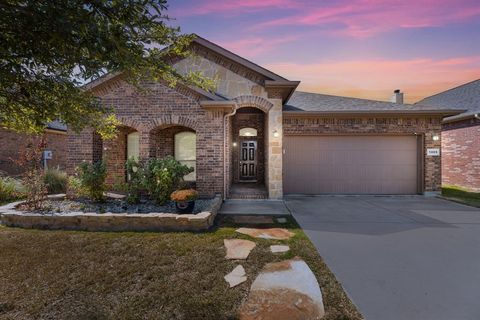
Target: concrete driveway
column 402, row 257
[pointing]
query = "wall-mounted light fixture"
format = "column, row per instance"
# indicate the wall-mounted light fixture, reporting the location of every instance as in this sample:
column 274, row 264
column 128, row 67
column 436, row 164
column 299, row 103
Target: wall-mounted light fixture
column 275, row 133
column 234, row 144
column 435, row 138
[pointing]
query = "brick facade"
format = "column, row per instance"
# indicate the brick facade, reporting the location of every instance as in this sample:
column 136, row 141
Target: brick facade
column 11, row 144
column 461, row 154
column 425, row 127
column 159, row 107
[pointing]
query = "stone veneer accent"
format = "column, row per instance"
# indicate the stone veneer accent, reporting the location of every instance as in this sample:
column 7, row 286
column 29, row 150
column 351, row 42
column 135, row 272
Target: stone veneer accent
column 110, row 221
column 461, row 154
column 425, row 126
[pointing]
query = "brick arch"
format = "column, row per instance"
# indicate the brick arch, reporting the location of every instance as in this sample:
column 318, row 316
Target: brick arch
column 167, row 120
column 129, row 122
column 253, row 101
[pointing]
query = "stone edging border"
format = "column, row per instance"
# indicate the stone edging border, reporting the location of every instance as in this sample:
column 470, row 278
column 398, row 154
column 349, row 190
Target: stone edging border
column 156, row 221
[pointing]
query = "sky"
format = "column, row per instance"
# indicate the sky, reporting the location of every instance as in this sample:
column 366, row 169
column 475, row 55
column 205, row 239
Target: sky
column 357, row 48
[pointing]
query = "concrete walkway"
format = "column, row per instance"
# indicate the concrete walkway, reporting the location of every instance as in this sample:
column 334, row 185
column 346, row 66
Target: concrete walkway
column 252, row 207
column 399, row 258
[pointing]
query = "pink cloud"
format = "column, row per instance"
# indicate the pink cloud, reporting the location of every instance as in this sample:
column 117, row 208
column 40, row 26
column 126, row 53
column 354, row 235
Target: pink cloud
column 377, row 78
column 257, row 45
column 364, row 18
column 232, row 6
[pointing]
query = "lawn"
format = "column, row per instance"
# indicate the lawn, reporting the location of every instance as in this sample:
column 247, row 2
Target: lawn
column 87, row 275
column 461, row 195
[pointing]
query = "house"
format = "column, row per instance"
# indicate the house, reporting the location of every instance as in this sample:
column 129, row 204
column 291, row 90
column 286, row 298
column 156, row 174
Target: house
column 460, row 135
column 257, row 137
column 12, row 143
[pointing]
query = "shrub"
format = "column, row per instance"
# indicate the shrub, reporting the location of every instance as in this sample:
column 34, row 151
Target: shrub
column 135, row 180
column 55, row 180
column 184, row 195
column 30, row 160
column 92, row 180
column 163, row 176
column 10, row 189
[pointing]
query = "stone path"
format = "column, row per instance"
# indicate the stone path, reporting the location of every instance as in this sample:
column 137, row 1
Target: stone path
column 286, row 290
column 238, row 248
column 279, row 248
column 236, row 277
column 272, row 233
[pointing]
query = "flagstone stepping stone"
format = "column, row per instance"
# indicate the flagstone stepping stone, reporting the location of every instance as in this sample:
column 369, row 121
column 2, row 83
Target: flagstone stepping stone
column 279, row 248
column 236, row 277
column 284, row 290
column 253, row 219
column 282, row 220
column 238, row 248
column 272, row 233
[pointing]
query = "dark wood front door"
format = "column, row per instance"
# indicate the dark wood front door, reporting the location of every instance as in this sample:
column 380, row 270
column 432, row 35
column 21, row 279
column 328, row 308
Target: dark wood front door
column 248, row 161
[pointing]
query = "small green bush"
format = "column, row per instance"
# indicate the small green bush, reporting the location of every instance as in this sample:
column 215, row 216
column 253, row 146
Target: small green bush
column 91, row 178
column 135, row 180
column 10, row 189
column 163, row 176
column 55, row 180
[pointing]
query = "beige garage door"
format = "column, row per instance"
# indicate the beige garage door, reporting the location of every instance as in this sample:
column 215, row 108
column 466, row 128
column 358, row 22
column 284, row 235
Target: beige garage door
column 350, row 164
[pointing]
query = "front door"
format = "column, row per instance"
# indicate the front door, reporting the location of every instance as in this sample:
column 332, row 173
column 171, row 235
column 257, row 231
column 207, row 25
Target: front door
column 248, row 161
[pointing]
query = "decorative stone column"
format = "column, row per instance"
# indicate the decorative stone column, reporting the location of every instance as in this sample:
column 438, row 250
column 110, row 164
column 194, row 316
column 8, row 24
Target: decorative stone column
column 274, row 150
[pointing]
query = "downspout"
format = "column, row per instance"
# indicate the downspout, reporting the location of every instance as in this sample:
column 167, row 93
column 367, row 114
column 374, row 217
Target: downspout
column 228, row 115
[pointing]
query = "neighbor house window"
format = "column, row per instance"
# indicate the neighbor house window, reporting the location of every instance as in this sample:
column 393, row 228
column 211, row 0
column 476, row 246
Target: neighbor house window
column 186, row 152
column 248, row 132
column 133, row 145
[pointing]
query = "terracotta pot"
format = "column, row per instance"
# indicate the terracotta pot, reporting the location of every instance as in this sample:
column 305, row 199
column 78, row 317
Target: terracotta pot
column 185, row 206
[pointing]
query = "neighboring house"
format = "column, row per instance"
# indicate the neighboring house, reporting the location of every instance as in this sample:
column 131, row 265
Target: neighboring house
column 460, row 135
column 255, row 137
column 12, row 144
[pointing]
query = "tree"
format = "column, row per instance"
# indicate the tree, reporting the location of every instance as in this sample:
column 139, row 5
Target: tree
column 49, row 48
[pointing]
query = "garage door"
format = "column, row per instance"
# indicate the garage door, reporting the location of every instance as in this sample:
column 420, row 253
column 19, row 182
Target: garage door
column 350, row 164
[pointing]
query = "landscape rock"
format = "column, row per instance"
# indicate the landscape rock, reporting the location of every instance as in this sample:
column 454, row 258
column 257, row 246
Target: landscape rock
column 238, row 248
column 236, row 277
column 284, row 290
column 279, row 248
column 272, row 233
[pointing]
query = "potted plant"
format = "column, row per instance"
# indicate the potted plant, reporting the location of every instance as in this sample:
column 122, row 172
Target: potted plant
column 184, row 200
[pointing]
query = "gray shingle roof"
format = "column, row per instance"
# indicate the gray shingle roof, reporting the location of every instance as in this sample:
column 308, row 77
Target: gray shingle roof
column 315, row 102
column 57, row 125
column 465, row 96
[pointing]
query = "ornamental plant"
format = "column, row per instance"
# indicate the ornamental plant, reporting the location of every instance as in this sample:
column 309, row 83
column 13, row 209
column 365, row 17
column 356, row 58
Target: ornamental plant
column 92, row 179
column 184, row 195
column 135, row 180
column 163, row 176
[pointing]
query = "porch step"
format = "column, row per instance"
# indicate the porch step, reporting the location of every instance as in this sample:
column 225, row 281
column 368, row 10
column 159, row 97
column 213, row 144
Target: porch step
column 247, row 195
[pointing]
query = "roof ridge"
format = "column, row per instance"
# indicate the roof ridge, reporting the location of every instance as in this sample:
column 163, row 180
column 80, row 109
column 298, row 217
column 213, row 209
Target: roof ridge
column 451, row 89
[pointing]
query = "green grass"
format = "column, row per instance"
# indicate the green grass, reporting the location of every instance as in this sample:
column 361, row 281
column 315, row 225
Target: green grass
column 87, row 275
column 461, row 195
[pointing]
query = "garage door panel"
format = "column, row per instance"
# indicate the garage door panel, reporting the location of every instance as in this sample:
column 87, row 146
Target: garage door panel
column 350, row 164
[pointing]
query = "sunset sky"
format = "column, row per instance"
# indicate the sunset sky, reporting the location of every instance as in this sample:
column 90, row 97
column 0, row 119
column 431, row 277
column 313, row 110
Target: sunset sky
column 360, row 48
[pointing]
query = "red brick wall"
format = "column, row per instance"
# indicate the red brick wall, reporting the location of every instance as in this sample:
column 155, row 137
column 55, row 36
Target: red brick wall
column 162, row 141
column 11, row 144
column 159, row 107
column 427, row 127
column 461, row 154
column 249, row 118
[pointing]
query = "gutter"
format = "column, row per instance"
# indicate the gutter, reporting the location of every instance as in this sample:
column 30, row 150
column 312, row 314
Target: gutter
column 462, row 117
column 375, row 112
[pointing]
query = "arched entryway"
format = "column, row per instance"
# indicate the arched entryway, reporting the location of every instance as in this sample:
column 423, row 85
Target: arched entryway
column 247, row 152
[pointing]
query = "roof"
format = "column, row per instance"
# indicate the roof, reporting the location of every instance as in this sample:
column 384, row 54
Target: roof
column 307, row 102
column 57, row 125
column 465, row 96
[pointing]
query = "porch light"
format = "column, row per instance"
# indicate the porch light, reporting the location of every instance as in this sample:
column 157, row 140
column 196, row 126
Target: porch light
column 234, row 144
column 435, row 138
column 275, row 133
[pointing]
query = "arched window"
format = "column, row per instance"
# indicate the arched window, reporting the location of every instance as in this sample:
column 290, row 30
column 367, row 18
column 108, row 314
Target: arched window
column 133, row 145
column 186, row 151
column 248, row 132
